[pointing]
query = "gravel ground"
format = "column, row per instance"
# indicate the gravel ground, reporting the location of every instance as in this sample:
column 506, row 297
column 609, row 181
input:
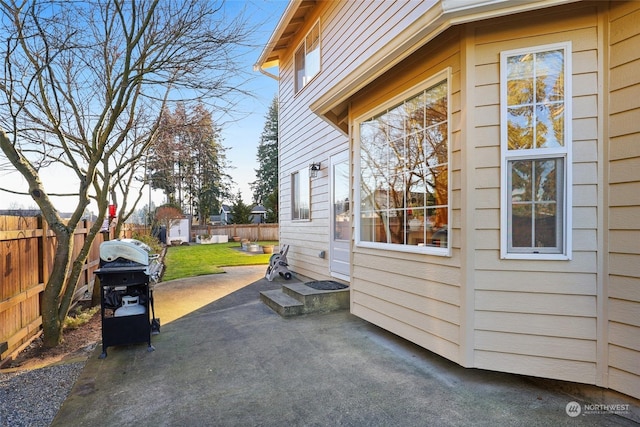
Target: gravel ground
column 32, row 398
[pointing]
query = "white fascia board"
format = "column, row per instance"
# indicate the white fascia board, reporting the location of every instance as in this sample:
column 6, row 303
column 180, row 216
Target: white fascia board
column 286, row 17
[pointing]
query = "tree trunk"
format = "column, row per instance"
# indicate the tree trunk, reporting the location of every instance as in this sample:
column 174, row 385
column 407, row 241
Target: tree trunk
column 54, row 290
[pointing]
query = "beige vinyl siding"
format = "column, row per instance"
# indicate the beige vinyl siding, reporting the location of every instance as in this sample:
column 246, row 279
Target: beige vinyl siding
column 624, row 198
column 519, row 304
column 355, row 30
column 348, row 30
column 416, row 296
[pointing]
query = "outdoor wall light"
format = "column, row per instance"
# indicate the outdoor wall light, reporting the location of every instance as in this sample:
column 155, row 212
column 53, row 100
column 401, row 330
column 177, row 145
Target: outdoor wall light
column 313, row 169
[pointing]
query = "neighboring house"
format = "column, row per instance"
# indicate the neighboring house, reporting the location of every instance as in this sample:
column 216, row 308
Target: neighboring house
column 225, row 215
column 258, row 214
column 472, row 168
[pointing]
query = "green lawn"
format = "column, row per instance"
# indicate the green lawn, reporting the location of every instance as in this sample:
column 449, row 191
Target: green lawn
column 197, row 260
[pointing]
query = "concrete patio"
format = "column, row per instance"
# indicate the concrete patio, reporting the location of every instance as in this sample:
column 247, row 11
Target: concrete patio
column 223, row 358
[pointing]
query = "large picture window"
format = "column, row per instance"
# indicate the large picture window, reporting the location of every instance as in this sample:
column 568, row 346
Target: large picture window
column 536, row 151
column 300, row 195
column 404, row 172
column 307, row 57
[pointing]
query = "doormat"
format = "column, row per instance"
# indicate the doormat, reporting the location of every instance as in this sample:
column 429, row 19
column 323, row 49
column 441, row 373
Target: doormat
column 326, row 285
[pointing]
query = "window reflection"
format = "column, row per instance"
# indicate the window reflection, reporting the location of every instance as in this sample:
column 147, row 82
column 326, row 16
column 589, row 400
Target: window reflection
column 535, row 122
column 404, row 172
column 535, row 198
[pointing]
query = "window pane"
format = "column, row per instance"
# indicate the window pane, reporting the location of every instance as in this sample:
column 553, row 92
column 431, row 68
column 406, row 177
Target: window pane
column 436, row 104
column 437, row 227
column 395, row 120
column 372, row 227
column 415, row 114
column 396, row 156
column 550, row 125
column 437, row 186
column 520, row 80
column 416, row 221
column 300, row 193
column 304, row 194
column 416, row 191
column 535, row 197
column 299, row 68
column 396, row 191
column 521, row 220
column 550, row 76
column 545, row 225
column 341, row 212
column 546, row 180
column 542, row 73
column 520, row 128
column 404, row 169
column 521, row 179
column 395, row 226
column 436, row 145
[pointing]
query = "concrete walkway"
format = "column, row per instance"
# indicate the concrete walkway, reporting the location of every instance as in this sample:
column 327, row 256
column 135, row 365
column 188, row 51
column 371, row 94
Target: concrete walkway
column 225, row 359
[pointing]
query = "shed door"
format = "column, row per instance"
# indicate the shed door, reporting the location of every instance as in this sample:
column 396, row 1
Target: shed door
column 341, row 216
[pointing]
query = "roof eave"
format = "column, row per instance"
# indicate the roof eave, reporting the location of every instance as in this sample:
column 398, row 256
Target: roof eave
column 441, row 16
column 267, row 59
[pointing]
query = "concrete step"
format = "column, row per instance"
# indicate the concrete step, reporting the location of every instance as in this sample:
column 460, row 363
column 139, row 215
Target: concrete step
column 283, row 304
column 317, row 300
column 297, row 298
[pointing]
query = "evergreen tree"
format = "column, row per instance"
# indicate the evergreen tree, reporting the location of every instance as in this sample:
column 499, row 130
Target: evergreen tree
column 240, row 212
column 188, row 161
column 271, row 205
column 267, row 156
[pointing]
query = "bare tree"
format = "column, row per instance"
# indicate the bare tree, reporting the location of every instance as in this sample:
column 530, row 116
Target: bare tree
column 80, row 85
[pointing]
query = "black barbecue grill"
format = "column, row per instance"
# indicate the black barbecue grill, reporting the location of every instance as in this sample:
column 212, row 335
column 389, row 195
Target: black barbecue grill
column 126, row 271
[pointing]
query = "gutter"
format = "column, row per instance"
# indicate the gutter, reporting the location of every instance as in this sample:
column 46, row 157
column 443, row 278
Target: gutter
column 286, row 17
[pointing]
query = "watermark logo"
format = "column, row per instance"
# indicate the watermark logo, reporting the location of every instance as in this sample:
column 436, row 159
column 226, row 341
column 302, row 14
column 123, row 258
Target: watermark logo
column 573, row 409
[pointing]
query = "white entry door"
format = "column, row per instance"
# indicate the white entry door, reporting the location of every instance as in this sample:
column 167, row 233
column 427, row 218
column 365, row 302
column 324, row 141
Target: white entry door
column 339, row 252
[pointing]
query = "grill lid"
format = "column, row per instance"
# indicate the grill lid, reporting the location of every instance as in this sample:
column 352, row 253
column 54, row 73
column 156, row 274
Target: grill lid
column 126, row 249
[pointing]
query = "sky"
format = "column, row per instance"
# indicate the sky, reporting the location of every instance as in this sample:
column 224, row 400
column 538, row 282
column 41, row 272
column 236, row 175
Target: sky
column 240, row 134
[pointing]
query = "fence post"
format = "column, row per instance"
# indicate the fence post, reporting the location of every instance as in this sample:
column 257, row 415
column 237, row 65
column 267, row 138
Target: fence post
column 43, row 246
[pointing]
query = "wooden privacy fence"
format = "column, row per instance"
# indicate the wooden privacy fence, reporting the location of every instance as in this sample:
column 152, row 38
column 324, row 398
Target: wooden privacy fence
column 27, row 250
column 252, row 232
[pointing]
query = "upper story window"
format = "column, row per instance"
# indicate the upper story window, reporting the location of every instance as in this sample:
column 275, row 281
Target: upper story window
column 300, row 195
column 307, row 59
column 404, row 172
column 536, row 153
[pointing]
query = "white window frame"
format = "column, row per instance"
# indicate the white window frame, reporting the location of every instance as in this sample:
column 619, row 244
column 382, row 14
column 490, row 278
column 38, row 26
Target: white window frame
column 298, row 192
column 309, row 56
column 444, row 75
column 564, row 152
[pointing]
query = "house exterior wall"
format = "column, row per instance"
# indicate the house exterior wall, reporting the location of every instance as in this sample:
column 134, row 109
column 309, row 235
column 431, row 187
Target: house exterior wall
column 576, row 319
column 416, row 296
column 623, row 224
column 348, row 30
column 304, row 138
column 536, row 317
